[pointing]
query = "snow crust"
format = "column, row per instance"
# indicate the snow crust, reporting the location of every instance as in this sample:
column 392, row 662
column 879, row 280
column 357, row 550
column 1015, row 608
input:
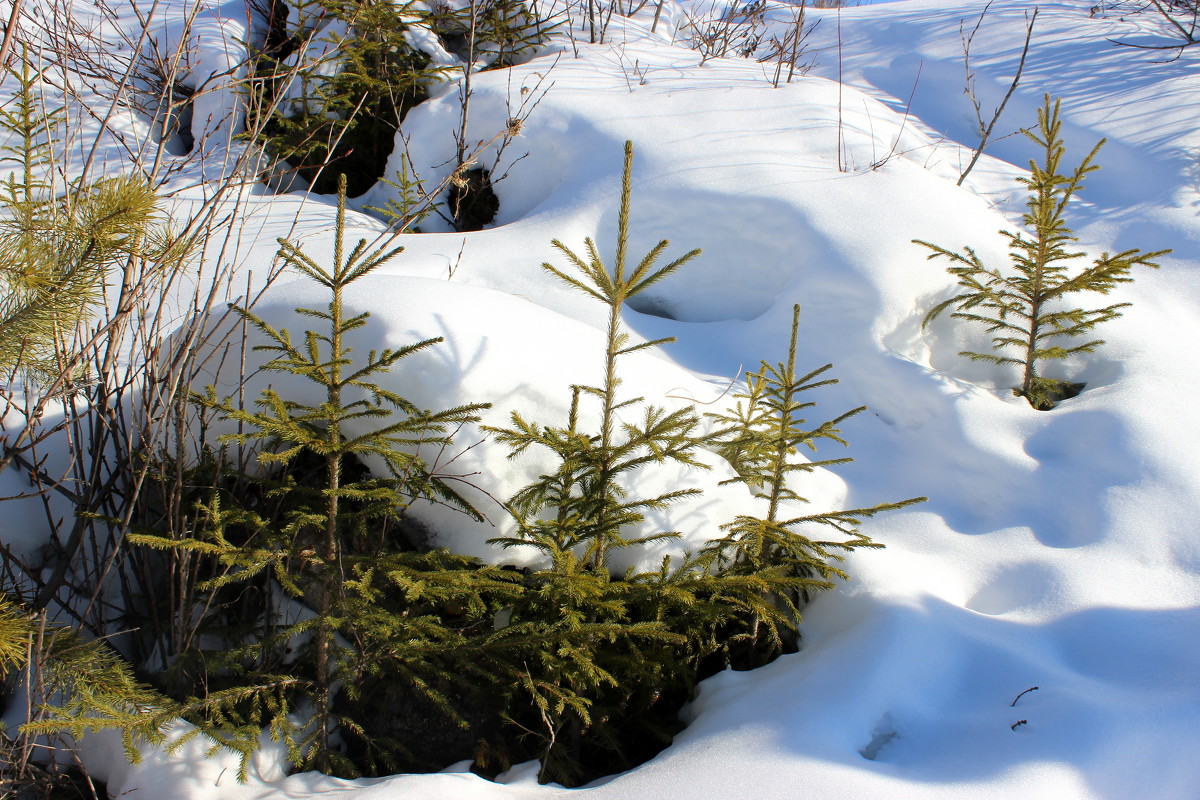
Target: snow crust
column 1059, row 550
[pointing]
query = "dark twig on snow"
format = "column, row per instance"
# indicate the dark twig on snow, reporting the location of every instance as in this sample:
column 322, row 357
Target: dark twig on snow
column 1013, row 704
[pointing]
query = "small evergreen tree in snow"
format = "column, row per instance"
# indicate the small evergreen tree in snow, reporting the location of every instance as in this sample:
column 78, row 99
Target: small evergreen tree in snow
column 765, row 434
column 347, row 121
column 1026, row 305
column 75, row 686
column 375, row 609
column 592, row 658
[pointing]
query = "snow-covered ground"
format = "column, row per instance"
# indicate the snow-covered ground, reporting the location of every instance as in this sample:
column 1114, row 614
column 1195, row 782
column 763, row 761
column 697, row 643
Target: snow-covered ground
column 1059, row 550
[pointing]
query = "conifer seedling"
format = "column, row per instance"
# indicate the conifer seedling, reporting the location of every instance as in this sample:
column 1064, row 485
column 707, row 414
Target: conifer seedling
column 375, row 606
column 762, row 441
column 1025, row 306
column 617, row 448
column 578, row 514
column 347, row 121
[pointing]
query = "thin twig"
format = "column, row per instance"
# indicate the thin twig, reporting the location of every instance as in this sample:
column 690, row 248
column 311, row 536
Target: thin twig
column 986, row 131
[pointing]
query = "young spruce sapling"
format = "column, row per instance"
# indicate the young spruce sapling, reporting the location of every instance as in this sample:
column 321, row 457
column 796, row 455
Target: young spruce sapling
column 1025, row 306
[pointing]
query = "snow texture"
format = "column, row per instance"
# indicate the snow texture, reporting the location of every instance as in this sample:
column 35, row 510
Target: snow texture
column 1058, row 550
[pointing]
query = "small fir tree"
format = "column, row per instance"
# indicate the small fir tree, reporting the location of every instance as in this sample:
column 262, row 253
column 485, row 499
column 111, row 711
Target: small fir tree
column 494, row 33
column 378, row 610
column 346, row 123
column 618, row 447
column 412, row 203
column 77, row 686
column 762, row 442
column 1024, row 307
column 595, row 662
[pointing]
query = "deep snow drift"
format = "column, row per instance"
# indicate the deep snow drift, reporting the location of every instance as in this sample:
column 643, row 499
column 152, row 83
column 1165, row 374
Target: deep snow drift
column 1057, row 550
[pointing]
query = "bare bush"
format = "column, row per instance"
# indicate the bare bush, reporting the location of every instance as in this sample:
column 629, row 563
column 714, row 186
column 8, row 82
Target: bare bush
column 791, row 47
column 736, row 31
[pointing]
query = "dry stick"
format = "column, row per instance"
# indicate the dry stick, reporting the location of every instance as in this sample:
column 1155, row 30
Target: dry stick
column 180, row 364
column 428, row 198
column 71, row 58
column 709, row 40
column 606, row 20
column 58, row 385
column 786, row 49
column 91, row 156
column 986, row 132
column 781, row 48
column 465, row 89
column 797, row 37
column 531, row 98
column 1189, row 35
column 571, row 29
column 903, row 121
column 10, row 31
column 137, row 282
column 1022, row 694
column 169, row 78
column 840, row 135
column 457, row 261
column 460, row 137
column 169, row 72
column 35, row 680
column 136, row 288
column 157, row 411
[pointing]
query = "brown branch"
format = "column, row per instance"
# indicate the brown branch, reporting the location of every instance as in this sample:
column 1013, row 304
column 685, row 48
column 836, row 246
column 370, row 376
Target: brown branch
column 987, row 131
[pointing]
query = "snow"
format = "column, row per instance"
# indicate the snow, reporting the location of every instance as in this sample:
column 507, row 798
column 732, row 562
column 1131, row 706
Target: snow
column 1057, row 550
